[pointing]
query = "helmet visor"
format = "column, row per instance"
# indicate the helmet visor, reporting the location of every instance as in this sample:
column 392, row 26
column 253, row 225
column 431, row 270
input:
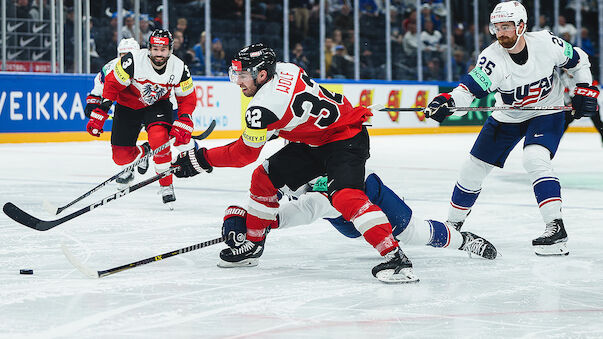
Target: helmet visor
column 235, row 76
column 508, row 26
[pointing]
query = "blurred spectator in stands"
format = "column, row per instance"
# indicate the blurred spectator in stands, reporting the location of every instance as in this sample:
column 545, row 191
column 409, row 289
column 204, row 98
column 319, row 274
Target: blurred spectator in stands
column 182, row 26
column 107, row 49
column 335, row 6
column 158, row 21
column 145, row 30
column 459, row 64
column 458, row 36
column 367, row 65
column 329, row 52
column 431, row 40
column 301, row 16
column 409, row 41
column 199, row 49
column 344, row 19
column 587, row 44
column 186, row 55
column 368, row 7
column 341, row 66
column 433, row 70
column 566, row 27
column 24, row 10
column 127, row 31
column 543, row 24
column 218, row 58
column 427, row 14
column 68, row 37
column 237, row 9
column 273, row 10
column 299, row 58
column 337, row 37
column 96, row 62
column 411, row 18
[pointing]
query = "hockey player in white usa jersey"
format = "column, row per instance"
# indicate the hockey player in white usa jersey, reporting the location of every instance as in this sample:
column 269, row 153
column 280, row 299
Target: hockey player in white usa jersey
column 141, row 83
column 520, row 68
column 327, row 137
column 310, row 202
column 95, row 98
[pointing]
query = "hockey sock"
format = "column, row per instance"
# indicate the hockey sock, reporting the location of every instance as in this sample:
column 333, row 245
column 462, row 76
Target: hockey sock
column 368, row 218
column 262, row 207
column 467, row 188
column 443, row 236
column 396, row 210
column 158, row 135
column 547, row 190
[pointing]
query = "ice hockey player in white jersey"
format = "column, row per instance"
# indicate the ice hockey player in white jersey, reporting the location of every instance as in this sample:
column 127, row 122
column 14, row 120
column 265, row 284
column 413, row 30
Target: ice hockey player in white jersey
column 520, row 67
column 141, row 83
column 310, row 203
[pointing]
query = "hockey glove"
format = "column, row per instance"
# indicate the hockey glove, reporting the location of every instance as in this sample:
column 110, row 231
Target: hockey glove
column 584, row 101
column 182, row 129
column 439, row 108
column 96, row 122
column 191, row 163
column 234, row 227
column 92, row 102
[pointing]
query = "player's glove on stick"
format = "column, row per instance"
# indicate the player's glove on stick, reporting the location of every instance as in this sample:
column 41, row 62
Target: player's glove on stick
column 92, row 102
column 192, row 162
column 439, row 108
column 234, row 227
column 182, row 129
column 97, row 120
column 584, row 101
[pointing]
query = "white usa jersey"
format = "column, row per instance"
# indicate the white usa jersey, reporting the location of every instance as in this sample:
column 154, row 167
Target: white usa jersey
column 535, row 83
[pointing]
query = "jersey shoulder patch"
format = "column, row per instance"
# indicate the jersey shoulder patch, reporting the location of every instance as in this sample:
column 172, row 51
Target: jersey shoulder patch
column 258, row 117
column 124, row 68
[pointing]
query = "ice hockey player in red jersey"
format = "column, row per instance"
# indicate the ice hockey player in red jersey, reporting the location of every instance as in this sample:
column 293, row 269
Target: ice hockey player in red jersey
column 327, row 137
column 141, row 83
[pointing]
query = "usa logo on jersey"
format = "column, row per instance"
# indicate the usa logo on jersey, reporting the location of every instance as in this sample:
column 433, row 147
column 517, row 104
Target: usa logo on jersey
column 529, row 93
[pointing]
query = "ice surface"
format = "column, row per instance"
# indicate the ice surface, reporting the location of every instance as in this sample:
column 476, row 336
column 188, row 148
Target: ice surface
column 311, row 282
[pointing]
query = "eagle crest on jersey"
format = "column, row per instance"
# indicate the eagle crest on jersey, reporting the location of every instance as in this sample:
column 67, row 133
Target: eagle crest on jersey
column 152, row 92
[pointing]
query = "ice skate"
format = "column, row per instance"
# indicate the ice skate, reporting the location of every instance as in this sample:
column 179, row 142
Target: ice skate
column 474, row 244
column 168, row 196
column 144, row 165
column 246, row 255
column 123, row 180
column 553, row 241
column 396, row 269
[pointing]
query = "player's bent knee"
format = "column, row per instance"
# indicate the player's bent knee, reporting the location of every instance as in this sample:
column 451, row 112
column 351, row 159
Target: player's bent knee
column 123, row 155
column 537, row 160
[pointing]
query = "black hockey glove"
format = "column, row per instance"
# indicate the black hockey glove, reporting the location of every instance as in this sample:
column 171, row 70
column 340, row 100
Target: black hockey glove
column 439, row 108
column 92, row 102
column 234, row 227
column 584, row 101
column 192, row 162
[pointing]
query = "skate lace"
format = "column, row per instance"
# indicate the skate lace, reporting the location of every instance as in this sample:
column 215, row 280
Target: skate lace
column 475, row 246
column 166, row 190
column 247, row 246
column 125, row 175
column 551, row 229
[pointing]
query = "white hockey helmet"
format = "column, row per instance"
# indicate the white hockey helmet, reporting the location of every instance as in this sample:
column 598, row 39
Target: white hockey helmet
column 127, row 45
column 509, row 11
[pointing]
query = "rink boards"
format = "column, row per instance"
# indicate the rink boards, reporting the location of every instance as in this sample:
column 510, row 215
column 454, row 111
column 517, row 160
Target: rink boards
column 49, row 108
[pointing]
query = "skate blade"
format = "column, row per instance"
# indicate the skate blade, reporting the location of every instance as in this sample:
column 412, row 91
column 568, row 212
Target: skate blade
column 169, row 205
column 251, row 262
column 557, row 249
column 406, row 275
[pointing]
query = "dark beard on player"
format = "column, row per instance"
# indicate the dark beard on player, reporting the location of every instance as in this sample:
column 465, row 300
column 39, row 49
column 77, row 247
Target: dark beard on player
column 158, row 63
column 506, row 42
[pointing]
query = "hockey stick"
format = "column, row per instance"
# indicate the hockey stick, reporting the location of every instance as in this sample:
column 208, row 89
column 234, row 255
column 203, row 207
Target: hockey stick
column 382, row 108
column 99, row 274
column 24, row 218
column 130, row 167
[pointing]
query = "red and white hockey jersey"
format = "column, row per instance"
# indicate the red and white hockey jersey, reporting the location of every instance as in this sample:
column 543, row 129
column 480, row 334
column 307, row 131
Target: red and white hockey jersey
column 134, row 82
column 293, row 106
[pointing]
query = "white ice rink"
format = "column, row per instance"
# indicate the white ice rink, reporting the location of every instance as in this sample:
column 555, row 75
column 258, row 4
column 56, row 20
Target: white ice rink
column 312, row 282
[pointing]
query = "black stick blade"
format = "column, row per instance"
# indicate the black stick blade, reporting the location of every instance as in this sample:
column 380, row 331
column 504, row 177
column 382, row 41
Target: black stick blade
column 26, row 219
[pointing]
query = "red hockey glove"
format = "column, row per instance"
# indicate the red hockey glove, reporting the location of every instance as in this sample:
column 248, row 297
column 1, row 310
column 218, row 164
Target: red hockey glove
column 585, row 100
column 92, row 102
column 182, row 129
column 96, row 122
column 439, row 108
